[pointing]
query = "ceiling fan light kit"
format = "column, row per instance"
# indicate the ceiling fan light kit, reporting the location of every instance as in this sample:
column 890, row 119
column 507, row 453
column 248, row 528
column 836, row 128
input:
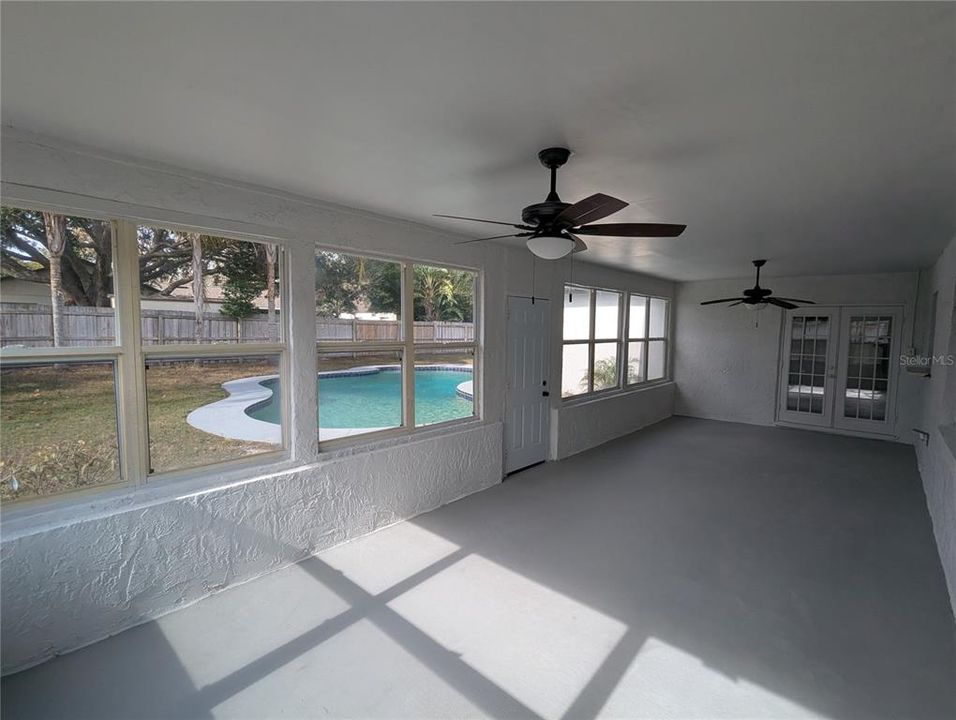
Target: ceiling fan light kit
column 552, row 227
column 550, row 247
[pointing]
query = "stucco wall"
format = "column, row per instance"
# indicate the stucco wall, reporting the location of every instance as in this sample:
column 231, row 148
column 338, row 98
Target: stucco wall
column 98, row 564
column 937, row 461
column 726, row 368
column 587, row 424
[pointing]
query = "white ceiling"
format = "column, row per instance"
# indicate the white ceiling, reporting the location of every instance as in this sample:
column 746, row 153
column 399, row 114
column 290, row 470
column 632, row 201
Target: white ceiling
column 820, row 135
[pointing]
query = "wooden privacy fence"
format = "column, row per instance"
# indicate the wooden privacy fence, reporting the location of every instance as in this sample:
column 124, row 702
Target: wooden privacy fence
column 32, row 325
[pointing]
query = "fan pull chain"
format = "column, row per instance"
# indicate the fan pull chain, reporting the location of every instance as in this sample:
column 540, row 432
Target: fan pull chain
column 571, row 282
column 533, row 265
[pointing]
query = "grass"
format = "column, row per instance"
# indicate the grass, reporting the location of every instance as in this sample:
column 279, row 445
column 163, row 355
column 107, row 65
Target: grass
column 58, row 422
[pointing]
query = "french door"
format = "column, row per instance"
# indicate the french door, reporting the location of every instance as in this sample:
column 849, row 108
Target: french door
column 837, row 368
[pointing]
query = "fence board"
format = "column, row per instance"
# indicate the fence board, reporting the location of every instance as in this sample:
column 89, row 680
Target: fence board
column 32, row 325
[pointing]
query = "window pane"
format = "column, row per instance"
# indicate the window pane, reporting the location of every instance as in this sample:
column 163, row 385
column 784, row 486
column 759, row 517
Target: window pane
column 75, row 310
column 208, row 410
column 577, row 313
column 635, row 362
column 637, row 320
column 359, row 393
column 574, row 370
column 444, row 305
column 605, row 366
column 59, row 428
column 655, row 359
column 357, row 299
column 658, row 318
column 444, row 387
column 606, row 314
column 197, row 288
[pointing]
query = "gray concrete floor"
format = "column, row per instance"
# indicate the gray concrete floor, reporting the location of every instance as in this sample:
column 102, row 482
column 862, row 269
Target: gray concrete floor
column 695, row 569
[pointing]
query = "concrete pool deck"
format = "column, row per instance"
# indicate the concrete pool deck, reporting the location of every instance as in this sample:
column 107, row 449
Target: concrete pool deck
column 228, row 418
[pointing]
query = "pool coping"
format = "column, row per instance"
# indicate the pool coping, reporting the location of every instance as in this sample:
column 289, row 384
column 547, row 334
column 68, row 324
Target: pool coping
column 227, row 418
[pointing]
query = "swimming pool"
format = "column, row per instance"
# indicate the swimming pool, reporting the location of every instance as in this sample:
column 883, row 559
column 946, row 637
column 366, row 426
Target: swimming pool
column 371, row 397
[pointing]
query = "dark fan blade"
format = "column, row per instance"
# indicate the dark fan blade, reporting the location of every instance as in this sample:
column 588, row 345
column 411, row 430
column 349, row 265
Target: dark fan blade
column 739, row 302
column 711, row 302
column 493, row 222
column 592, row 208
column 633, row 230
column 579, row 245
column 494, row 237
column 808, row 302
column 780, row 303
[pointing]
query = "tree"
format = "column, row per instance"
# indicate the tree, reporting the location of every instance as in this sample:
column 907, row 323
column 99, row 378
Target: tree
column 443, row 294
column 55, row 226
column 337, row 285
column 199, row 289
column 241, row 265
column 272, row 252
column 605, row 374
column 85, row 261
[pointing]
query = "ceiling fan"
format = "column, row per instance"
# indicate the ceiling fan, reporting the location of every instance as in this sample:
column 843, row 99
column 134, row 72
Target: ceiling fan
column 757, row 298
column 552, row 227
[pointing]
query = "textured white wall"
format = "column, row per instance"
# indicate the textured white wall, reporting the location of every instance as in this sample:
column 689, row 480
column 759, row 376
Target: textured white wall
column 726, row 368
column 937, row 462
column 585, row 425
column 74, row 574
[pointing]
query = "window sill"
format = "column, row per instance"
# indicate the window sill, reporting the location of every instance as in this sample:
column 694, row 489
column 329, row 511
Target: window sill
column 615, row 393
column 44, row 514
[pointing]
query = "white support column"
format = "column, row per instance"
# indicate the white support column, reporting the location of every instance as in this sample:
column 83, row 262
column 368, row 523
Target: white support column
column 298, row 306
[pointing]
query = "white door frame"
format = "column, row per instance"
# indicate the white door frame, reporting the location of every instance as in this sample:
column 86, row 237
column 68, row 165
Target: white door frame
column 527, row 423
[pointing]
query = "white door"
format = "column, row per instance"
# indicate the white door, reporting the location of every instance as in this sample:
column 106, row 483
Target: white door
column 867, row 372
column 808, row 366
column 528, row 411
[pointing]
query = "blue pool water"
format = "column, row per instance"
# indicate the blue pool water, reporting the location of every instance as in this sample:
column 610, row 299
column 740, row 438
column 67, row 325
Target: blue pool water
column 374, row 400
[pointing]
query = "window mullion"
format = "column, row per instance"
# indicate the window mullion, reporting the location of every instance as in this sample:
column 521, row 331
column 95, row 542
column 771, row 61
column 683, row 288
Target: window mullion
column 593, row 309
column 408, row 335
column 131, row 370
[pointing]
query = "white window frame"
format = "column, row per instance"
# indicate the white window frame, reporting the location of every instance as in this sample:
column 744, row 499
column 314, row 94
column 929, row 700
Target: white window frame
column 408, row 349
column 593, row 340
column 129, row 357
column 646, row 339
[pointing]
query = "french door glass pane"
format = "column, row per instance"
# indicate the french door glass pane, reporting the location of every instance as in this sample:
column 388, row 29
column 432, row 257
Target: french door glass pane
column 637, row 320
column 577, row 313
column 655, row 359
column 806, row 382
column 868, row 367
column 574, row 369
column 606, row 310
column 605, row 365
column 635, row 362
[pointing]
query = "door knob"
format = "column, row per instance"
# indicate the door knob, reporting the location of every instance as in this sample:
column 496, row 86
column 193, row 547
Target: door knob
column 545, row 394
